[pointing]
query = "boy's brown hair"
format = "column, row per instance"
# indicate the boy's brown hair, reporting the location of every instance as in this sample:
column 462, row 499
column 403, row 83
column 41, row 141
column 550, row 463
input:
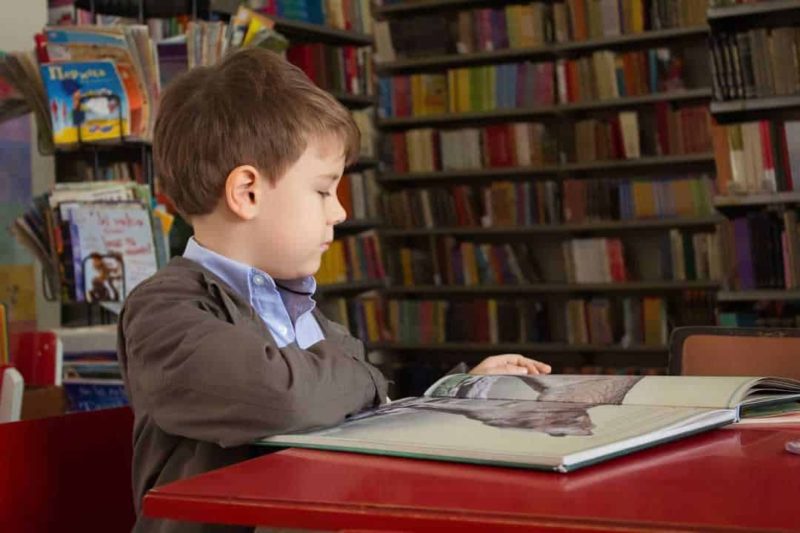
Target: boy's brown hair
column 253, row 108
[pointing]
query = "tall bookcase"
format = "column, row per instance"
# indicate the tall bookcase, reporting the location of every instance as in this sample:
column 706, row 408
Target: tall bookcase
column 752, row 90
column 561, row 354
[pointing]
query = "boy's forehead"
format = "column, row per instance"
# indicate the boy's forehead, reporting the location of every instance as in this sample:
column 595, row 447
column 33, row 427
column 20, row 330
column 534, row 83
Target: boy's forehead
column 329, row 147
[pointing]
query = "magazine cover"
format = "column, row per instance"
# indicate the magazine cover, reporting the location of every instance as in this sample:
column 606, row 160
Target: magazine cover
column 67, row 44
column 89, row 95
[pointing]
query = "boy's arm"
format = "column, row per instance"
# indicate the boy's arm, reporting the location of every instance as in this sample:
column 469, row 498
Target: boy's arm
column 204, row 378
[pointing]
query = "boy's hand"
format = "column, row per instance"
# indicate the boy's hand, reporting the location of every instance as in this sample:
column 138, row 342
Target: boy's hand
column 510, row 363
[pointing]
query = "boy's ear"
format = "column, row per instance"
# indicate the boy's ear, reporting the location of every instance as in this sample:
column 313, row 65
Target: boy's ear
column 243, row 191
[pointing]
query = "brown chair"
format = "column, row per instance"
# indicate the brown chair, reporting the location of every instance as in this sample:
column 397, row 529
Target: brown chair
column 721, row 351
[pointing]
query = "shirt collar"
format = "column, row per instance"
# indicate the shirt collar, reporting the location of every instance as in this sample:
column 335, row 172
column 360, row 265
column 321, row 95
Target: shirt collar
column 295, row 294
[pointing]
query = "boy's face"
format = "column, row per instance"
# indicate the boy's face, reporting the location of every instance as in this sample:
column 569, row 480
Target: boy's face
column 295, row 222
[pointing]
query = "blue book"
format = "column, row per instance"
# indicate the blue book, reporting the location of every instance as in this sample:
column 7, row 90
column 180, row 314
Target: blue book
column 88, row 95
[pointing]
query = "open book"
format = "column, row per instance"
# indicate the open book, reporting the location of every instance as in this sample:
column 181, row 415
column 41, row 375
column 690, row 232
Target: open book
column 549, row 422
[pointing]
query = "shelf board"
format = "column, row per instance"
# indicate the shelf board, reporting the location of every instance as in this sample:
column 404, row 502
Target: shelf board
column 757, row 199
column 354, row 225
column 354, row 101
column 548, row 51
column 759, row 295
column 773, row 7
column 362, row 163
column 604, row 226
column 551, row 288
column 756, row 108
column 317, row 32
column 505, row 347
column 543, row 111
column 349, row 287
column 640, row 164
column 566, row 229
column 406, row 8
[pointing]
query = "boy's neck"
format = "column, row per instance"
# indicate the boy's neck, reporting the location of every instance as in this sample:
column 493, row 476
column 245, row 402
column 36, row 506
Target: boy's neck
column 221, row 238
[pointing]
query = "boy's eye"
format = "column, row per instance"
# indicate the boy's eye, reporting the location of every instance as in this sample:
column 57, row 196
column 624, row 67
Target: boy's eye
column 324, row 194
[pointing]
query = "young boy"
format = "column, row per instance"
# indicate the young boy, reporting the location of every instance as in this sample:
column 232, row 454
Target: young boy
column 224, row 345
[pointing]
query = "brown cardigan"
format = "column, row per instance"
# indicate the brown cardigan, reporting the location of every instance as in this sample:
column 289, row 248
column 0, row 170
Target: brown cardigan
column 205, row 378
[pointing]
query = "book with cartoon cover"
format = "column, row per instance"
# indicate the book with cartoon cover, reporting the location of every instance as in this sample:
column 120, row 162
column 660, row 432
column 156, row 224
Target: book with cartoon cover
column 548, row 422
column 88, row 95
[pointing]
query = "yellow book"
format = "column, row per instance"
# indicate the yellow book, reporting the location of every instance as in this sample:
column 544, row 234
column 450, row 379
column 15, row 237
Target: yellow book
column 654, row 321
column 513, row 14
column 464, row 90
column 491, row 85
column 405, row 266
column 452, row 91
column 434, row 94
column 494, row 336
column 644, row 202
column 417, row 100
column 373, row 331
column 470, row 264
column 637, row 16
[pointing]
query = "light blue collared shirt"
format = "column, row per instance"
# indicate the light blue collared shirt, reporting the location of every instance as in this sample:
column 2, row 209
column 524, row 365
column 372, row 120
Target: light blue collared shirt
column 285, row 309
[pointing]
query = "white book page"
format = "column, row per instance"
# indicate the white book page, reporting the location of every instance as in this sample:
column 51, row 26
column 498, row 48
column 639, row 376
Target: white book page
column 512, row 432
column 687, row 391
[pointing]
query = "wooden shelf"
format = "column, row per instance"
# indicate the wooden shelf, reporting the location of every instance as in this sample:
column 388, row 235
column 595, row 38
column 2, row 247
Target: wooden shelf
column 561, row 229
column 355, row 225
column 614, row 165
column 505, row 347
column 773, row 107
column 362, row 163
column 757, row 199
column 543, row 111
column 354, row 101
column 349, row 287
column 549, row 51
column 738, row 13
column 759, row 295
column 405, row 8
column 551, row 288
column 307, row 32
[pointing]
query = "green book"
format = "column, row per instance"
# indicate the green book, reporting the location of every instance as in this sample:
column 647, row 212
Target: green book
column 547, row 422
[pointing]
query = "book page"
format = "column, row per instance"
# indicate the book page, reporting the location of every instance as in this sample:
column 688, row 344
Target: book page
column 688, row 391
column 509, row 432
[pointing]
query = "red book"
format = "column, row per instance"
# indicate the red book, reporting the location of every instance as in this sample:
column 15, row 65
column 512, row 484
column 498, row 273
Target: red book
column 400, row 152
column 662, row 127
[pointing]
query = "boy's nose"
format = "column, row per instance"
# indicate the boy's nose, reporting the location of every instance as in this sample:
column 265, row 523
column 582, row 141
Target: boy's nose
column 338, row 214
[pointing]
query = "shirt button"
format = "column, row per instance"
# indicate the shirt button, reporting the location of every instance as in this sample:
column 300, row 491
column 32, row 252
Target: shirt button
column 258, row 280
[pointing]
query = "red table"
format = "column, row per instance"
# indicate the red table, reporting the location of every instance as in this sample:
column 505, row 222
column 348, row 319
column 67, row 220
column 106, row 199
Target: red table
column 726, row 479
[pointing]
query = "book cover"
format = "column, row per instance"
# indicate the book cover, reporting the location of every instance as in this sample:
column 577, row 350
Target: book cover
column 88, row 95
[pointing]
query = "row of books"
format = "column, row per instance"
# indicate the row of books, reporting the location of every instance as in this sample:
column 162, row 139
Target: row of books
column 624, row 322
column 681, row 256
column 354, row 258
column 592, row 19
column 463, row 90
column 349, row 15
column 602, row 76
column 359, row 195
column 464, row 263
column 346, row 69
column 761, row 250
column 632, row 321
column 530, row 25
column 658, row 131
column 510, row 204
column 97, row 239
column 756, row 63
column 630, row 134
column 753, row 157
column 479, row 320
column 80, row 169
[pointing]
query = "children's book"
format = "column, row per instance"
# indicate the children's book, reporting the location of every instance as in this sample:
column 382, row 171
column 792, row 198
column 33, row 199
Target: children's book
column 547, row 422
column 88, row 95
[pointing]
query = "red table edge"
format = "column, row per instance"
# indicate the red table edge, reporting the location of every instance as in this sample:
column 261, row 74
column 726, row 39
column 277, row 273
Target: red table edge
column 328, row 516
